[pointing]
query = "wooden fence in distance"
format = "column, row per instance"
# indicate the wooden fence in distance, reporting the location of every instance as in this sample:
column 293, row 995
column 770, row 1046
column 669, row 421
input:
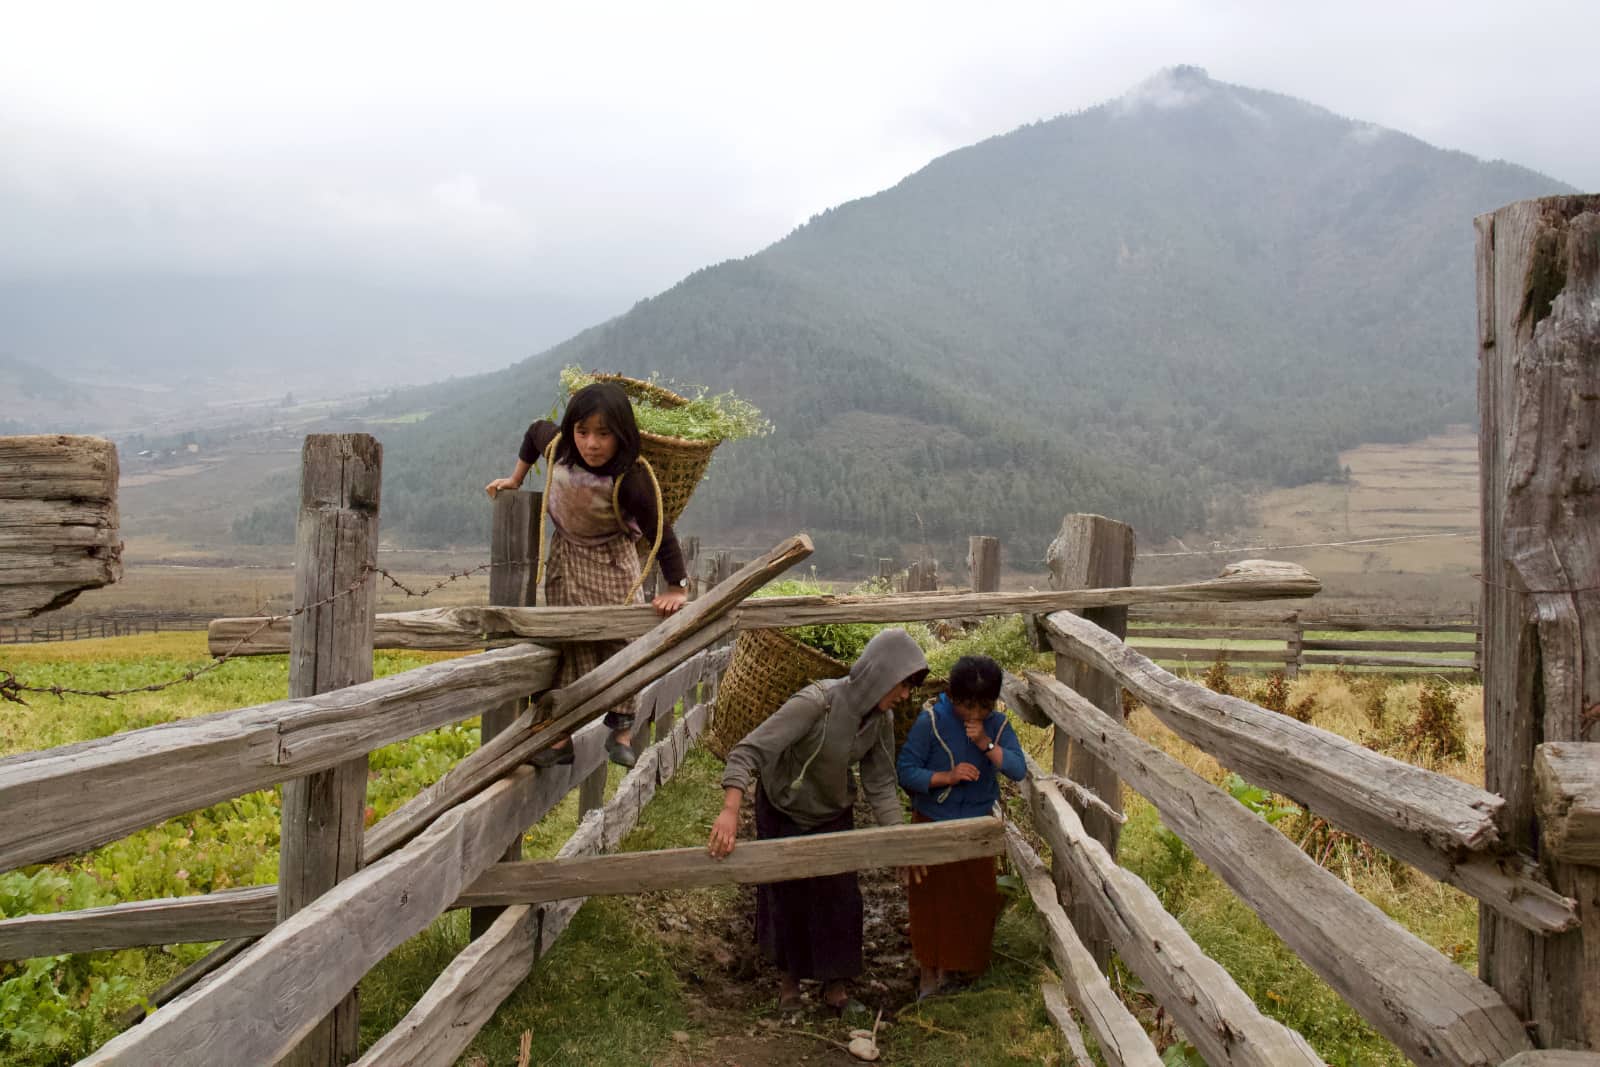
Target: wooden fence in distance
column 1291, row 641
column 102, row 624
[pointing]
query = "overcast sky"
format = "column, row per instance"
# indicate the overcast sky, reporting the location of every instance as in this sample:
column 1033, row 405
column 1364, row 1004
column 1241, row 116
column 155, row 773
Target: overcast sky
column 607, row 150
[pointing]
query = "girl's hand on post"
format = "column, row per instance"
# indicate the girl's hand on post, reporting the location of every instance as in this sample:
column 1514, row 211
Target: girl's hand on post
column 913, row 875
column 670, row 601
column 500, row 483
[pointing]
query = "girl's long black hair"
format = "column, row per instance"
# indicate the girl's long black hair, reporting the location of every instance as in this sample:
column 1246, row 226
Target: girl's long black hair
column 607, row 400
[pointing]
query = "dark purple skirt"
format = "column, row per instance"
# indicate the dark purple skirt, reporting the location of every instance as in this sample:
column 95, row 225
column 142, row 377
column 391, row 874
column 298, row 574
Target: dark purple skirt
column 810, row 927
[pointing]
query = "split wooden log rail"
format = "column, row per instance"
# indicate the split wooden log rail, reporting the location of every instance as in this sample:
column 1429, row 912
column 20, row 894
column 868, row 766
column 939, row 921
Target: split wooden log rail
column 1216, row 1015
column 1432, row 1009
column 459, row 629
column 1442, row 826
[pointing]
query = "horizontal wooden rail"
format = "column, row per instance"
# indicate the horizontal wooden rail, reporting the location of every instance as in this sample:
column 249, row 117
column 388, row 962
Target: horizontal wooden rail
column 1208, row 654
column 1336, row 659
column 1200, row 996
column 470, row 627
column 252, row 911
column 64, row 800
column 1123, row 1042
column 1432, row 1009
column 466, row 994
column 1145, row 631
column 1317, row 644
column 1395, row 623
column 751, row 863
column 1444, row 827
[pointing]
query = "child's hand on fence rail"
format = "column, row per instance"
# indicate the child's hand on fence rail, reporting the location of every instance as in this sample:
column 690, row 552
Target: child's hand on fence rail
column 725, row 830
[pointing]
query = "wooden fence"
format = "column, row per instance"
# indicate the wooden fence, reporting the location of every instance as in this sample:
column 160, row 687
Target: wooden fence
column 1419, row 999
column 1291, row 641
column 282, row 986
column 104, row 624
column 445, row 848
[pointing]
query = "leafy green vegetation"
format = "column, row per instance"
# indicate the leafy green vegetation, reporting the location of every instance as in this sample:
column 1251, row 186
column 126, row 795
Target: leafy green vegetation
column 841, row 640
column 719, row 417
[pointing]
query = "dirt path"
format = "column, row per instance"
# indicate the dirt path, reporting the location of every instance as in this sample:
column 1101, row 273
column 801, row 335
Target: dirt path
column 731, row 993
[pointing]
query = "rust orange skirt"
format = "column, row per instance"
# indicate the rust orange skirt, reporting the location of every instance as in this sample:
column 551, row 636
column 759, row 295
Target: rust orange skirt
column 953, row 911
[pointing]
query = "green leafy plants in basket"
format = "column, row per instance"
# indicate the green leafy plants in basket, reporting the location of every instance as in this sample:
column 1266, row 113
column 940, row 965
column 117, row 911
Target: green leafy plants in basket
column 703, row 417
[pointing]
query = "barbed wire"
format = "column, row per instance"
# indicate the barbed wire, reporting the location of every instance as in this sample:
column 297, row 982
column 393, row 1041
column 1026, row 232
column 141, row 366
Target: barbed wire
column 12, row 687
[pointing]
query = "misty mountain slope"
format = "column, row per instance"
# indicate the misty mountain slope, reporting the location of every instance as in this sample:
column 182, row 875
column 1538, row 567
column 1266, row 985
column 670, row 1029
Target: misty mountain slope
column 1124, row 310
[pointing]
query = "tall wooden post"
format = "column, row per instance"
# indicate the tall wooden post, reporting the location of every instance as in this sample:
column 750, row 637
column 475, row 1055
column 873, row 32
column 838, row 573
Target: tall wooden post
column 514, row 546
column 1092, row 552
column 330, row 647
column 1539, row 450
column 983, row 563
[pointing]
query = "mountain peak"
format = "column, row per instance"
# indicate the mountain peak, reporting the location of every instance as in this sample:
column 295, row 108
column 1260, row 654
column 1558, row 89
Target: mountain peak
column 1169, row 89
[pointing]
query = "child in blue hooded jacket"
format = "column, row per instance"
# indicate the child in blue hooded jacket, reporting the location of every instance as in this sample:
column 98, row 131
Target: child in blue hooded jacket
column 950, row 764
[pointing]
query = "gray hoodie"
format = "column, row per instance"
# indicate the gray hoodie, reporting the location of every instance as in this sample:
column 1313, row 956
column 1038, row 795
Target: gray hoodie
column 804, row 751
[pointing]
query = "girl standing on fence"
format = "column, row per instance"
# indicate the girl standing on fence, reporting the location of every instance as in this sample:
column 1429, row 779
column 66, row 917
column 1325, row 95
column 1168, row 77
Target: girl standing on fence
column 601, row 499
column 950, row 764
column 803, row 753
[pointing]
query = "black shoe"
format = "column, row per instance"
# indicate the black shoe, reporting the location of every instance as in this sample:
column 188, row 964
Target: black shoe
column 621, row 754
column 555, row 757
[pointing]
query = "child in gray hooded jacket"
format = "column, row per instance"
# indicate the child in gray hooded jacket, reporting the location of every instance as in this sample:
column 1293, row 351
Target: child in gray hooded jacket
column 802, row 755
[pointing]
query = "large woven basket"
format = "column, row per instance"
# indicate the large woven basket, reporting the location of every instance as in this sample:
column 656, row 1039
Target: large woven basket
column 678, row 462
column 767, row 668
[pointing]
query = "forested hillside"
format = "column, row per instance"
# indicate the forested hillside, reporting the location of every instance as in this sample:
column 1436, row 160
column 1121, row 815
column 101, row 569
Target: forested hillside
column 1134, row 310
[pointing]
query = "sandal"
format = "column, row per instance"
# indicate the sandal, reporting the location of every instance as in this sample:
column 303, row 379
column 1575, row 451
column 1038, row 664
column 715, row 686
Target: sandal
column 555, row 757
column 619, row 753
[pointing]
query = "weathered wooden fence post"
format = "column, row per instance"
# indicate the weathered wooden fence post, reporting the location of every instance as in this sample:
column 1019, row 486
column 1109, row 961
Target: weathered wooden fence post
column 514, row 547
column 983, row 563
column 336, row 547
column 1539, row 450
column 58, row 505
column 1092, row 552
column 1294, row 646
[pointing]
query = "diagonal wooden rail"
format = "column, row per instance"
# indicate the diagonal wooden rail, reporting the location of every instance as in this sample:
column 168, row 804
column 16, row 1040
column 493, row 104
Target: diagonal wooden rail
column 1444, row 827
column 1427, row 1005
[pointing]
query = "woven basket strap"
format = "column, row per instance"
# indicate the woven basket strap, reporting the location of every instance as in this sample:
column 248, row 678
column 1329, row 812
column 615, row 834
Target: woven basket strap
column 933, row 721
column 544, row 506
column 661, row 522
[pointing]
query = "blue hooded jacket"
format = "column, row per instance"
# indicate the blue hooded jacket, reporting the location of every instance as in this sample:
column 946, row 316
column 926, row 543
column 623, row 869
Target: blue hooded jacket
column 937, row 742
